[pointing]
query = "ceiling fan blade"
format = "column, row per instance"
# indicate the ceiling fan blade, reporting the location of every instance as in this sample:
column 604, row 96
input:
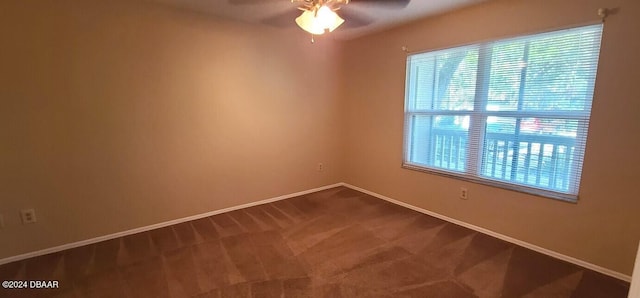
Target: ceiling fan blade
column 245, row 2
column 286, row 19
column 353, row 19
column 388, row 3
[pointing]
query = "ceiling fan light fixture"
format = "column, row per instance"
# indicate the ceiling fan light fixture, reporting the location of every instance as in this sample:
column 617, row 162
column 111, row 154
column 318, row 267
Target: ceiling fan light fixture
column 317, row 21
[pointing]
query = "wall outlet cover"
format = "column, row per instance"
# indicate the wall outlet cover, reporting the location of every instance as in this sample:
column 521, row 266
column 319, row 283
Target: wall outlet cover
column 28, row 216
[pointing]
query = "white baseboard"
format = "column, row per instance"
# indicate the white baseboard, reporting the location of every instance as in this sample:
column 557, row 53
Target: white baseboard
column 157, row 226
column 533, row 247
column 634, row 290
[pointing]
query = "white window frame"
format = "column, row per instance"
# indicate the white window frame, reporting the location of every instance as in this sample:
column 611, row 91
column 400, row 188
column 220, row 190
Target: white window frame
column 478, row 120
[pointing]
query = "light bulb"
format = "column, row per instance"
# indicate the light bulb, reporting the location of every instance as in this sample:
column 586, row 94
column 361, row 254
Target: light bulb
column 328, row 19
column 317, row 22
column 325, row 17
column 307, row 21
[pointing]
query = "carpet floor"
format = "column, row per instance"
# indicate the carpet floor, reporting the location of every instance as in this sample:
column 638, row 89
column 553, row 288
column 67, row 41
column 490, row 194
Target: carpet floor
column 333, row 243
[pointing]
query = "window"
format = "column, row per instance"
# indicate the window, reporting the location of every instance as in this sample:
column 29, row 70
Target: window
column 511, row 113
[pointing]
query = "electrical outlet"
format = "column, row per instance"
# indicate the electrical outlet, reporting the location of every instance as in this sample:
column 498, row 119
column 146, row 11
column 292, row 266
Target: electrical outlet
column 464, row 193
column 320, row 167
column 28, row 216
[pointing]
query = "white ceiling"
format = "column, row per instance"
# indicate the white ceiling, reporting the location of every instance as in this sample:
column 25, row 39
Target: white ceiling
column 382, row 16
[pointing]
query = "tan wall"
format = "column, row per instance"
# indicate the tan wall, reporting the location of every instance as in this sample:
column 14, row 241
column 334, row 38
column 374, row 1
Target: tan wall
column 119, row 115
column 116, row 115
column 604, row 226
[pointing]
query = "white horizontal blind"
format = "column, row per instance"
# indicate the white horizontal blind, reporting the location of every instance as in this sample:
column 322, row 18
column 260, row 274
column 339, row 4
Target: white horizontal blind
column 512, row 112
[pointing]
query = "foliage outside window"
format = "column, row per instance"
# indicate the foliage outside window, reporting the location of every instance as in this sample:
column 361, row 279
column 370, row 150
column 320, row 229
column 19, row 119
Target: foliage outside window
column 512, row 113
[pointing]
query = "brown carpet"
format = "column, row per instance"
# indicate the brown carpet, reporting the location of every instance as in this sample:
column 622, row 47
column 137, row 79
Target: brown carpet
column 334, row 243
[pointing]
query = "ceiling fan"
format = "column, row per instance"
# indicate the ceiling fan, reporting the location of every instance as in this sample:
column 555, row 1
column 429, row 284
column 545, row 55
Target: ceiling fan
column 322, row 16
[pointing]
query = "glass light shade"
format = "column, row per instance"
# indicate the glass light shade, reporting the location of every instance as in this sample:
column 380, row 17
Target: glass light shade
column 317, row 23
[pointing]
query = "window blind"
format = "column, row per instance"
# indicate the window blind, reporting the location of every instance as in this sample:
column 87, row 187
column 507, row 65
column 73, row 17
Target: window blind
column 512, row 113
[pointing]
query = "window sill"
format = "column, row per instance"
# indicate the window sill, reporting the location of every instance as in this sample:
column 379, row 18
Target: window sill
column 508, row 186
